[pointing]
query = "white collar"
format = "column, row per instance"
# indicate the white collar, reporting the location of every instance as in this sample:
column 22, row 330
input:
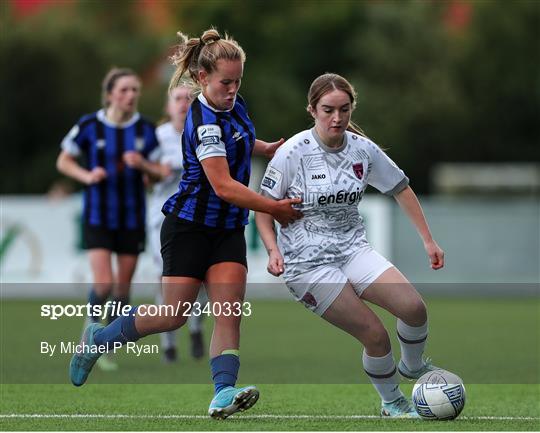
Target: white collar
column 103, row 118
column 201, row 98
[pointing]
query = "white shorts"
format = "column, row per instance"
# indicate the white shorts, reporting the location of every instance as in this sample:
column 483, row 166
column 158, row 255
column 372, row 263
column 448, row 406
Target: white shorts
column 319, row 287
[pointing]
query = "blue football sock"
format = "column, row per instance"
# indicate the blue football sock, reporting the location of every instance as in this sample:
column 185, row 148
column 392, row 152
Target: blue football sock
column 224, row 371
column 120, row 302
column 95, row 299
column 121, row 330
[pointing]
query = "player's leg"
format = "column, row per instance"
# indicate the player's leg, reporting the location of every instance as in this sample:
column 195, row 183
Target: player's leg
column 353, row 316
column 393, row 292
column 100, row 242
column 102, row 277
column 137, row 323
column 195, row 326
column 167, row 339
column 126, row 265
column 226, row 284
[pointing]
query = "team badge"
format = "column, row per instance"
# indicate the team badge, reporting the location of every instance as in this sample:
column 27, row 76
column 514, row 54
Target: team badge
column 139, row 144
column 358, row 170
column 309, row 299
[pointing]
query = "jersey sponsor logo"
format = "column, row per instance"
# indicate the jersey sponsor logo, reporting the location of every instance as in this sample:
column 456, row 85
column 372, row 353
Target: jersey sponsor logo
column 318, row 176
column 271, row 177
column 358, row 170
column 209, row 134
column 341, row 197
column 237, row 136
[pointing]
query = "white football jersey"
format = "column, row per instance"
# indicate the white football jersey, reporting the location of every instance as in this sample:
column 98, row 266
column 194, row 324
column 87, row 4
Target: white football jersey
column 170, row 152
column 331, row 183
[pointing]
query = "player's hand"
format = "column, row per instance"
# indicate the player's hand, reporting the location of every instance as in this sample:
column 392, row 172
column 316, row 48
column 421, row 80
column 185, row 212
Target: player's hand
column 284, row 213
column 275, row 263
column 165, row 170
column 272, row 147
column 96, row 175
column 435, row 254
column 133, row 159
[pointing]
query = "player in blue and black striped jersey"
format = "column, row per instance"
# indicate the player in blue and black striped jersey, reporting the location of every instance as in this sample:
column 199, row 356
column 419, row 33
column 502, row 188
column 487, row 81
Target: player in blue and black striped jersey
column 202, row 236
column 109, row 151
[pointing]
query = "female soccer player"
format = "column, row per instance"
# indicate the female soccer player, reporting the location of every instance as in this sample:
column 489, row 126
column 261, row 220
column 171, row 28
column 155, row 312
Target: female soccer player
column 170, row 155
column 114, row 145
column 202, row 237
column 327, row 262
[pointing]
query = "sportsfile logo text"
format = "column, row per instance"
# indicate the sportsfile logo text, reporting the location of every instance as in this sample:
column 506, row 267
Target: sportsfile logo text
column 115, row 308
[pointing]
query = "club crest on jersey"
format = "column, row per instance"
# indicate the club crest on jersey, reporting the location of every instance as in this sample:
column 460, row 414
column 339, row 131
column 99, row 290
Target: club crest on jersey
column 139, row 144
column 358, row 170
column 309, row 299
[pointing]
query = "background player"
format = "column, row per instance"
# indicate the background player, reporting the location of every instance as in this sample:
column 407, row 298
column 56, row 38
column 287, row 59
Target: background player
column 327, row 261
column 170, row 147
column 114, row 146
column 209, row 213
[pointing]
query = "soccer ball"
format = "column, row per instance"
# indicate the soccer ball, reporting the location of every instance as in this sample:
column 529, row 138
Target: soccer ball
column 439, row 395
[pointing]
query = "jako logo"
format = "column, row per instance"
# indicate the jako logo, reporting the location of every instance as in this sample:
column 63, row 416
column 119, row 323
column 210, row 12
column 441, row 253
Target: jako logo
column 341, row 197
column 318, row 176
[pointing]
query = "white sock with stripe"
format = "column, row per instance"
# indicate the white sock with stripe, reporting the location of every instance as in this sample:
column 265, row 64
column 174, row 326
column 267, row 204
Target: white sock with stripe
column 412, row 340
column 384, row 376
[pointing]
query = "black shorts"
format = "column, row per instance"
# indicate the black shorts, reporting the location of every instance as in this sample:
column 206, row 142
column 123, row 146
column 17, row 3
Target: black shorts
column 121, row 241
column 188, row 249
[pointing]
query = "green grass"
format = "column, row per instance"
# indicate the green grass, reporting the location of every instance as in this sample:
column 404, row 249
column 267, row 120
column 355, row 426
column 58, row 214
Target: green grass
column 302, row 366
column 287, row 401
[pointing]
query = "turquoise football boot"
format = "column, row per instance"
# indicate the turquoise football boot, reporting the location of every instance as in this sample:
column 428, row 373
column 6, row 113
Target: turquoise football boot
column 416, row 374
column 81, row 363
column 231, row 400
column 400, row 408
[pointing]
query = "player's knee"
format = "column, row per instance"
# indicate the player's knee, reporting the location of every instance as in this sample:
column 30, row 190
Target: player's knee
column 416, row 312
column 376, row 338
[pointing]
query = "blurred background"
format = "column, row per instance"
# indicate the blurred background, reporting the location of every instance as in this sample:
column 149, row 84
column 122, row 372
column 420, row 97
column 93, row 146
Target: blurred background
column 451, row 89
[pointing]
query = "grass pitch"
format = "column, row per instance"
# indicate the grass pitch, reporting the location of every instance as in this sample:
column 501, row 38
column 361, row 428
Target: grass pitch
column 309, row 374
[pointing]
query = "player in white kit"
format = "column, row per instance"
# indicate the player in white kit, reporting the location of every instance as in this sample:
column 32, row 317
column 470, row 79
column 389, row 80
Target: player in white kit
column 325, row 258
column 170, row 154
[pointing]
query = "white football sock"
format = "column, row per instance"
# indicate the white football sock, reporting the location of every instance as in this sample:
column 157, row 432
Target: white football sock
column 412, row 340
column 383, row 374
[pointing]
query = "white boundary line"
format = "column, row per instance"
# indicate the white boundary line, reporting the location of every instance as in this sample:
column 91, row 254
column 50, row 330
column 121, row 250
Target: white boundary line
column 247, row 417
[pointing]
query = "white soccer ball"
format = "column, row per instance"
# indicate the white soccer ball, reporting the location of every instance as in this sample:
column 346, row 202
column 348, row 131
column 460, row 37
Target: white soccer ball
column 439, row 395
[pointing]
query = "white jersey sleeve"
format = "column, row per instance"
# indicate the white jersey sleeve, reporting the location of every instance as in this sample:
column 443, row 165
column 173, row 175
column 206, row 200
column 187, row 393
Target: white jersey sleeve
column 279, row 174
column 70, row 143
column 383, row 173
column 209, row 142
column 170, row 146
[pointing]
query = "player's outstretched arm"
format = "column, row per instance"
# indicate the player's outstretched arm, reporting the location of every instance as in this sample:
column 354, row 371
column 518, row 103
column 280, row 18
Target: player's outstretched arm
column 267, row 232
column 267, row 149
column 67, row 165
column 234, row 192
column 408, row 201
